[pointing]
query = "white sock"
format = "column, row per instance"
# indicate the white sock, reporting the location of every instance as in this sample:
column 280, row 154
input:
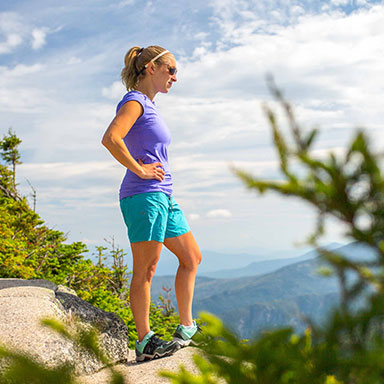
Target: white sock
column 189, row 326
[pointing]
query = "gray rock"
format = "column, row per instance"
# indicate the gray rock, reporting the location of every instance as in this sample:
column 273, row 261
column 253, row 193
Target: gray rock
column 23, row 303
column 11, row 283
column 114, row 332
column 63, row 288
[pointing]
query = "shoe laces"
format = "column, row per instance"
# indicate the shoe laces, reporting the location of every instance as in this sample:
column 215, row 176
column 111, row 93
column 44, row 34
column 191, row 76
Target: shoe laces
column 155, row 340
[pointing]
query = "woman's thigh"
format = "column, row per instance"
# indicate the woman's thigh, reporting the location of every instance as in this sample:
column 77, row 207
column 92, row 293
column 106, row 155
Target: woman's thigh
column 145, row 254
column 185, row 248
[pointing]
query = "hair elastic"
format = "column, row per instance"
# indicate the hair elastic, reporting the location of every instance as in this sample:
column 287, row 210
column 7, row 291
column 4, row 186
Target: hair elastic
column 135, row 61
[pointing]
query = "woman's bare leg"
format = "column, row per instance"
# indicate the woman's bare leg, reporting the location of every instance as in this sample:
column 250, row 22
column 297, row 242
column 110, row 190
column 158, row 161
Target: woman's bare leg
column 189, row 255
column 146, row 254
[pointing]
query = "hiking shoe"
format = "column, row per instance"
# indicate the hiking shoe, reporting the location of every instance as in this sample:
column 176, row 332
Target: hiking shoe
column 184, row 335
column 152, row 347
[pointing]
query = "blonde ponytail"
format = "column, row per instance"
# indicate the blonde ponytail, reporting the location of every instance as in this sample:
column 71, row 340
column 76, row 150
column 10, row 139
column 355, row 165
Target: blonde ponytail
column 135, row 62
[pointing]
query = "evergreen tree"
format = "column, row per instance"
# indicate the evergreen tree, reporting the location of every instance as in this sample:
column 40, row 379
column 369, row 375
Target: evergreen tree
column 10, row 153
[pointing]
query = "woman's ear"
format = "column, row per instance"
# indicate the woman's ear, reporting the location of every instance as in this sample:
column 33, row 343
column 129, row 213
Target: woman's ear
column 151, row 68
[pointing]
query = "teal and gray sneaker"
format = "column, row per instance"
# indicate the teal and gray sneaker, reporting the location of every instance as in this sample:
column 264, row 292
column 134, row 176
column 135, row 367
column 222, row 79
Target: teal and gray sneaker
column 185, row 335
column 152, row 347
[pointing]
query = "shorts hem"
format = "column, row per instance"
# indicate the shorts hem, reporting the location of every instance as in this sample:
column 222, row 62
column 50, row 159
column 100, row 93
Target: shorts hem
column 179, row 234
column 146, row 239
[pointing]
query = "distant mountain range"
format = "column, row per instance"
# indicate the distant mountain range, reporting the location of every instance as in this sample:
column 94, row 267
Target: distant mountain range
column 282, row 297
column 223, row 265
column 265, row 266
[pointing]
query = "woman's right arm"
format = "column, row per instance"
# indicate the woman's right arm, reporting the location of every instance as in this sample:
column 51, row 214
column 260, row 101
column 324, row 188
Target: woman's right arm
column 113, row 141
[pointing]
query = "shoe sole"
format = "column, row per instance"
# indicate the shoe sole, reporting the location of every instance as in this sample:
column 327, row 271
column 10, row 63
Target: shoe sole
column 184, row 343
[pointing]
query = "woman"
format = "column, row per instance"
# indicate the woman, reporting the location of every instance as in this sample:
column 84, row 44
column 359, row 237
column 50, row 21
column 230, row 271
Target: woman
column 138, row 138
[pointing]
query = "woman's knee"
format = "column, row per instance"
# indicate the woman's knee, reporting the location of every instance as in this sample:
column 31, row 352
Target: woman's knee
column 198, row 257
column 144, row 274
column 191, row 260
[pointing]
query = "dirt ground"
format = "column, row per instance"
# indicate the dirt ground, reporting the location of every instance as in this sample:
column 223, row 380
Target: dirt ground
column 146, row 373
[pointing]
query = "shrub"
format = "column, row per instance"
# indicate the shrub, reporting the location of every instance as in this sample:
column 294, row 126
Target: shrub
column 349, row 347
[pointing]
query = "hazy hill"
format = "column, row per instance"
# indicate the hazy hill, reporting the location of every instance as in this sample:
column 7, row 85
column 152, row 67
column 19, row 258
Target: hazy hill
column 215, row 261
column 270, row 264
column 207, row 285
column 249, row 304
column 283, row 297
column 291, row 281
column 279, row 298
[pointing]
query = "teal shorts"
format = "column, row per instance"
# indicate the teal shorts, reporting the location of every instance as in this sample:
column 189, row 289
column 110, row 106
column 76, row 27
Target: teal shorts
column 152, row 216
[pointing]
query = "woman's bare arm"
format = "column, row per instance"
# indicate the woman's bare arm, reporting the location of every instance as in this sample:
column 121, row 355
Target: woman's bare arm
column 113, row 141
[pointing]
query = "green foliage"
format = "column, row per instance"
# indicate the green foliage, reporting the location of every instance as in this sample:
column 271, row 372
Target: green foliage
column 9, row 152
column 22, row 369
column 349, row 347
column 276, row 357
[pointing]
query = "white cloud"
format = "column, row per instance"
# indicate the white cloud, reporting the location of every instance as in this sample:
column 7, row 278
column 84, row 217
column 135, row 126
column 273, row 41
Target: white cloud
column 193, row 216
column 331, row 60
column 17, row 93
column 19, row 70
column 199, row 51
column 11, row 32
column 61, row 171
column 325, row 152
column 14, row 30
column 201, row 36
column 114, row 91
column 39, row 37
column 74, row 60
column 215, row 213
column 126, row 3
column 340, row 2
column 209, row 121
column 12, row 41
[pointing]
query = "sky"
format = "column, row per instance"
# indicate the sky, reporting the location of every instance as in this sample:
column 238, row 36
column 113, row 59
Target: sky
column 60, row 67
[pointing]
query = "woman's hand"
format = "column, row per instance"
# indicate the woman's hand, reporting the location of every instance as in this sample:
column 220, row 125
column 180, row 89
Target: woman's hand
column 152, row 171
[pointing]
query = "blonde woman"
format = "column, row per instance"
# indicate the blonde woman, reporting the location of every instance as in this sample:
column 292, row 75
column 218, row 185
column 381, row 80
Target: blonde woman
column 138, row 138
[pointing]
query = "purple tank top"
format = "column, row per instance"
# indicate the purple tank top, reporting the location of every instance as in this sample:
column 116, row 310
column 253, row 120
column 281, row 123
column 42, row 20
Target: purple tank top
column 148, row 140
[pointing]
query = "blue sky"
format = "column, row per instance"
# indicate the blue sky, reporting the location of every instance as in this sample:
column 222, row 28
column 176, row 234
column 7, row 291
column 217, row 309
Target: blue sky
column 59, row 86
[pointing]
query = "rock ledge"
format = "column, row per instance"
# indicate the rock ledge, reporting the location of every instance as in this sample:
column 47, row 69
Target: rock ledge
column 24, row 302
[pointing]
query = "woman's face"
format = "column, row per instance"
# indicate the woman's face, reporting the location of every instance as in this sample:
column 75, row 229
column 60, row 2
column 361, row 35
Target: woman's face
column 162, row 77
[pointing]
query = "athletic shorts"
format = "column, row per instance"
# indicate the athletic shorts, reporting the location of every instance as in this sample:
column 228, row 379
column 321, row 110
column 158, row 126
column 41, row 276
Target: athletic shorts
column 152, row 216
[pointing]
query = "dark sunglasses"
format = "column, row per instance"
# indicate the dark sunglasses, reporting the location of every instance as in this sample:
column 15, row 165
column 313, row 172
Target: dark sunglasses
column 172, row 70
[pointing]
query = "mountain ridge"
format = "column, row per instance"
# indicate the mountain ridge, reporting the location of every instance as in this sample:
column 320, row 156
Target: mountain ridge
column 282, row 297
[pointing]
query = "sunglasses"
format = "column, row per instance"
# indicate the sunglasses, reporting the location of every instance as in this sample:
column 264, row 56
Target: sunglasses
column 172, row 70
